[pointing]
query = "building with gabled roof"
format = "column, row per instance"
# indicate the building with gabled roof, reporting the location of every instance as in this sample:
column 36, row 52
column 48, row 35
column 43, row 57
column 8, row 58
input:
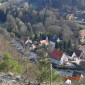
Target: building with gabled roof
column 73, row 55
column 58, row 57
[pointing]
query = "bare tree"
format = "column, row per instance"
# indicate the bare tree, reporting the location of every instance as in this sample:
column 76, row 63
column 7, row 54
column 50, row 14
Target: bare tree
column 23, row 29
column 38, row 27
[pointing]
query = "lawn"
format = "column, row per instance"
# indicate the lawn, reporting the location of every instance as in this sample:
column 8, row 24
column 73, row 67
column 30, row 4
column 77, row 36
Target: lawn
column 82, row 26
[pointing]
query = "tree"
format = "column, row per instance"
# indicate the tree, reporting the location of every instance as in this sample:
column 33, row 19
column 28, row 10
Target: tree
column 36, row 37
column 30, row 29
column 55, row 29
column 69, row 44
column 65, row 45
column 25, row 6
column 39, row 27
column 60, row 45
column 57, row 45
column 44, row 68
column 23, row 30
column 43, row 36
column 9, row 64
column 60, row 35
column 2, row 16
column 11, row 24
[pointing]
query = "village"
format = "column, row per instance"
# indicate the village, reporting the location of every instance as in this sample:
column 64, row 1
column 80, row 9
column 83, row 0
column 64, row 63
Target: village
column 48, row 37
column 71, row 59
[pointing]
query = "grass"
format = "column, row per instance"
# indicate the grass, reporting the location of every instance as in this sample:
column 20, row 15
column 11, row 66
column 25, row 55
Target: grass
column 82, row 26
column 82, row 12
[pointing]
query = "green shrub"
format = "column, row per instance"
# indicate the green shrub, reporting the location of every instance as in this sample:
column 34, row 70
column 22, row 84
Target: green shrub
column 10, row 65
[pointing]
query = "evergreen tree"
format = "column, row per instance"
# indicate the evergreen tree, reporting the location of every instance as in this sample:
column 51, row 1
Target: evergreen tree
column 36, row 37
column 65, row 45
column 11, row 24
column 57, row 45
column 2, row 16
column 69, row 44
column 60, row 35
column 43, row 36
column 10, row 65
column 31, row 30
column 44, row 68
column 60, row 45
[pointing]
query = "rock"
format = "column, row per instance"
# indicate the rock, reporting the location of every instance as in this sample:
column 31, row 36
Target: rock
column 10, row 74
column 11, row 79
column 18, row 77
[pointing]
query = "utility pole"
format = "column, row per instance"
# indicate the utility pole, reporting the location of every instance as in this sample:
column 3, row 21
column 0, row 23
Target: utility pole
column 51, row 74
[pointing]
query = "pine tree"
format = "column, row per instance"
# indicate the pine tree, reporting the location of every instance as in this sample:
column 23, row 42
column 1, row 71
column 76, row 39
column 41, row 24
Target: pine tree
column 36, row 37
column 65, row 45
column 60, row 35
column 57, row 45
column 10, row 65
column 31, row 30
column 44, row 70
column 69, row 44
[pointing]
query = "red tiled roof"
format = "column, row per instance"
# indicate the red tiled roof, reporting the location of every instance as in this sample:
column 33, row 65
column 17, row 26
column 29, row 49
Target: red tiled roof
column 57, row 54
column 82, row 33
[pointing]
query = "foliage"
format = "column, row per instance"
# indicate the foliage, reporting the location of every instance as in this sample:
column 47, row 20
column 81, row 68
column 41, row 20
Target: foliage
column 82, row 26
column 57, row 45
column 4, row 1
column 64, row 45
column 2, row 16
column 31, row 30
column 9, row 64
column 44, row 70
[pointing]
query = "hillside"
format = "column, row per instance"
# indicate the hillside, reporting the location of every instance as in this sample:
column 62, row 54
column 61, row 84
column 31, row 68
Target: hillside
column 6, row 47
column 30, row 32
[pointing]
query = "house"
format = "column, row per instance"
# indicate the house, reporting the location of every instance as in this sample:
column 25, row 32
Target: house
column 32, row 47
column 28, row 41
column 53, row 40
column 58, row 57
column 47, row 38
column 58, row 40
column 82, row 35
column 44, row 42
column 70, row 16
column 74, row 55
column 75, row 18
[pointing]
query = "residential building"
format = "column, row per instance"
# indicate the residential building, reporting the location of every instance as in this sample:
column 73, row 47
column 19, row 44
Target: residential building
column 53, row 40
column 58, row 57
column 74, row 55
column 44, row 42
